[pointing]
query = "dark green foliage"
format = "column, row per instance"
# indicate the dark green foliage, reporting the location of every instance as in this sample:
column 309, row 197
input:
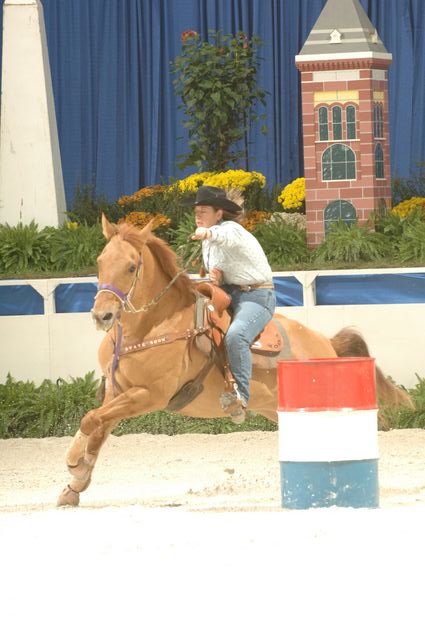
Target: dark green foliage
column 217, row 83
column 404, row 418
column 283, row 243
column 389, row 224
column 24, row 248
column 406, row 188
column 87, row 207
column 55, row 409
column 170, row 424
column 75, row 249
column 351, row 243
column 51, row 409
column 189, row 251
column 257, row 198
column 412, row 243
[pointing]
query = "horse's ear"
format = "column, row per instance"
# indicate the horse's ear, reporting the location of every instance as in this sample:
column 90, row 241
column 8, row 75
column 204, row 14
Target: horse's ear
column 147, row 230
column 108, row 229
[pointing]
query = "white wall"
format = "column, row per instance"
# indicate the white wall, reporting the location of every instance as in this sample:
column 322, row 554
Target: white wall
column 63, row 345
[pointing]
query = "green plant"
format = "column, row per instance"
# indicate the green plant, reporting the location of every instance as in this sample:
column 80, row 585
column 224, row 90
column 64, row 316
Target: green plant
column 50, row 409
column 190, row 252
column 284, row 244
column 405, row 188
column 351, row 243
column 412, row 243
column 24, row 247
column 403, row 418
column 217, row 82
column 87, row 206
column 28, row 410
column 76, row 248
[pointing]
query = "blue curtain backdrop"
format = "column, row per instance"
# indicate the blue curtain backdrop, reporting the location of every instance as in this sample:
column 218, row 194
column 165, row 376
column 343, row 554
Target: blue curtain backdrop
column 119, row 126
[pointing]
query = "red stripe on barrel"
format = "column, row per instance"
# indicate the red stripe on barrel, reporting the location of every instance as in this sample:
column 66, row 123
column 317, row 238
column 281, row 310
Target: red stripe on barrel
column 320, row 384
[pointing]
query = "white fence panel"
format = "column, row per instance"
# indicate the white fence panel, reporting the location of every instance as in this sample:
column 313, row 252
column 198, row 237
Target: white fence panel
column 60, row 345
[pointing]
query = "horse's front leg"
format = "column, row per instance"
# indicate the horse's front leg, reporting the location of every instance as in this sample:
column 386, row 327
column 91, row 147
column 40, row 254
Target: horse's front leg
column 95, row 427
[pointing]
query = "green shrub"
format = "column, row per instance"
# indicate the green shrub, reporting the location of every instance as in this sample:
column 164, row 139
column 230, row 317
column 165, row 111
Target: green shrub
column 24, row 248
column 55, row 409
column 76, row 248
column 283, row 243
column 51, row 409
column 190, row 252
column 87, row 207
column 412, row 243
column 217, row 82
column 412, row 187
column 351, row 243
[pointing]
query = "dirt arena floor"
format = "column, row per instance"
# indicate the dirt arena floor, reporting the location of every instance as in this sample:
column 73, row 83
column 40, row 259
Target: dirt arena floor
column 184, row 537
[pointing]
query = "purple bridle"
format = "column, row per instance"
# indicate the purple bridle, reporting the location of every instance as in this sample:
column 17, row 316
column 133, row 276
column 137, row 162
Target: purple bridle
column 124, row 298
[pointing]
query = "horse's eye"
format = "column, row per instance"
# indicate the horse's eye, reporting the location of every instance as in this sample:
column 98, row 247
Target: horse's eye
column 132, row 269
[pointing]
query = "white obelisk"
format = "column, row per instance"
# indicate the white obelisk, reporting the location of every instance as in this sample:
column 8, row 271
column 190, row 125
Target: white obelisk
column 31, row 182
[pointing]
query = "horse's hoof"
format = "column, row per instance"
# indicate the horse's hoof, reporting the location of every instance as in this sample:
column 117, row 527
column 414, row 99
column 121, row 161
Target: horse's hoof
column 68, row 498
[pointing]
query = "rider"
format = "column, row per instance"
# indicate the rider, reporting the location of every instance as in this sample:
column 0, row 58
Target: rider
column 236, row 261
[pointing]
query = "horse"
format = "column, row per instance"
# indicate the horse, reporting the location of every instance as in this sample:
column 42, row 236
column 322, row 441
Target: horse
column 146, row 305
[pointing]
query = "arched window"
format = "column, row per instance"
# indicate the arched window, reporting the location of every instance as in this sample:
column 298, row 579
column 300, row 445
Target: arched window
column 350, row 121
column 379, row 161
column 323, row 124
column 337, row 123
column 339, row 210
column 338, row 163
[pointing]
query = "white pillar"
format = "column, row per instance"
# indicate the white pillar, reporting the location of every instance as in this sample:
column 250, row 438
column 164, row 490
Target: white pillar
column 31, row 182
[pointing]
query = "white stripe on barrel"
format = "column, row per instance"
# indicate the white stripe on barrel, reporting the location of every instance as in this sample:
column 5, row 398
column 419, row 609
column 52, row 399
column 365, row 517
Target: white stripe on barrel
column 328, row 436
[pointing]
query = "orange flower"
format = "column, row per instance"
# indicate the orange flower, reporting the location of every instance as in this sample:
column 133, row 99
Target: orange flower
column 141, row 193
column 254, row 218
column 141, row 219
column 188, row 34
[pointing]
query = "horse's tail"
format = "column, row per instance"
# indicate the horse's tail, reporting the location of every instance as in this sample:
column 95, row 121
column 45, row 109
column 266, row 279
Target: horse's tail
column 350, row 343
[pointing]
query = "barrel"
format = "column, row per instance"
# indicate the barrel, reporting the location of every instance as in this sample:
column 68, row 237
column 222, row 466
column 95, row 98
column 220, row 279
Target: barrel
column 328, row 433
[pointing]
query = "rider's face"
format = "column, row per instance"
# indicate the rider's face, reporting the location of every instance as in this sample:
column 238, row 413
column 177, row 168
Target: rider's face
column 207, row 216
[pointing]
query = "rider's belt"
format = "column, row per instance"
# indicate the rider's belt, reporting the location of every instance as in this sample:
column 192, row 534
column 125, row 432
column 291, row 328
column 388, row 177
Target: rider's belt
column 250, row 287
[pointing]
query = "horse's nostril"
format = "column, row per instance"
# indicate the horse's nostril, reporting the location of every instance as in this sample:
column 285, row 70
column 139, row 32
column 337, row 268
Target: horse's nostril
column 107, row 317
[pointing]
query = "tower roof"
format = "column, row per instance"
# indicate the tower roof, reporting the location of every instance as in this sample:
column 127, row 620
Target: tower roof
column 343, row 30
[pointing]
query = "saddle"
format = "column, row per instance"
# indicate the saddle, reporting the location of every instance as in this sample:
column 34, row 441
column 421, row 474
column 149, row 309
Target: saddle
column 217, row 319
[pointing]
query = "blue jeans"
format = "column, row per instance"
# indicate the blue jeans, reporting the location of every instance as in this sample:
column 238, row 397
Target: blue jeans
column 251, row 310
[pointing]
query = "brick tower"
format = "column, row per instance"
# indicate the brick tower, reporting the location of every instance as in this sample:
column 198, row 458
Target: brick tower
column 344, row 88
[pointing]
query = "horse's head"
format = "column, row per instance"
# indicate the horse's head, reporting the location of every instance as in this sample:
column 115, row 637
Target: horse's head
column 119, row 265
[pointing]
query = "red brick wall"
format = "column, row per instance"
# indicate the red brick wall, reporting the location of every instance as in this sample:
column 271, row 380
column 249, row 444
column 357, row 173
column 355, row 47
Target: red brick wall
column 366, row 191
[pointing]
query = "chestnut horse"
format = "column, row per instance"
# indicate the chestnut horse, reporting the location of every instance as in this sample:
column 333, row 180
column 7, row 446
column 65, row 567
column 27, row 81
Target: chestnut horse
column 147, row 307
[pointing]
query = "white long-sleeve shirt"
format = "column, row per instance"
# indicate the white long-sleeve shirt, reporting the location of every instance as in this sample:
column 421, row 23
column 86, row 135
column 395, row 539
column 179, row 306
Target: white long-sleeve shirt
column 237, row 253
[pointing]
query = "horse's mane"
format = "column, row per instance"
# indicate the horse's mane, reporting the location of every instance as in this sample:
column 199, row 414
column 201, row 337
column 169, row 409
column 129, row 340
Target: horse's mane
column 160, row 250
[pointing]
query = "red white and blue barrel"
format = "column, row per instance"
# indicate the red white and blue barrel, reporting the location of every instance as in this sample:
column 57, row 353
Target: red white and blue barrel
column 328, row 433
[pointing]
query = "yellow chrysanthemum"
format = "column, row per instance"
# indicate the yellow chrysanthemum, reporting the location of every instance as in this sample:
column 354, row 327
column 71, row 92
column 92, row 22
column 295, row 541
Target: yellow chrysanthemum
column 235, row 178
column 192, row 182
column 404, row 208
column 292, row 196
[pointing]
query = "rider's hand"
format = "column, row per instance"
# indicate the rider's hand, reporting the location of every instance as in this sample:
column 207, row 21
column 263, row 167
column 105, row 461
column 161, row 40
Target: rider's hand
column 216, row 276
column 201, row 233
